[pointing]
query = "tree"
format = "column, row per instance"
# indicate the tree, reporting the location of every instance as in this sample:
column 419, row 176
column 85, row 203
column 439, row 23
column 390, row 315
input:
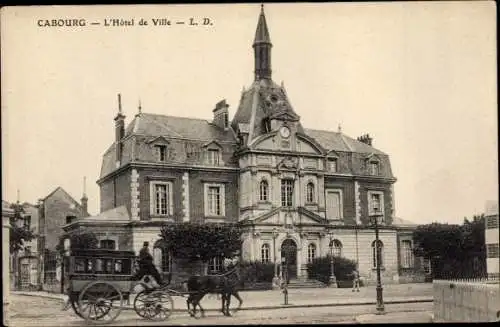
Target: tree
column 194, row 241
column 455, row 251
column 19, row 234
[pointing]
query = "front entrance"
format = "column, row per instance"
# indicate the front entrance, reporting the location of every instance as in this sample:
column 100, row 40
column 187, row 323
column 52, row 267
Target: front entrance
column 289, row 258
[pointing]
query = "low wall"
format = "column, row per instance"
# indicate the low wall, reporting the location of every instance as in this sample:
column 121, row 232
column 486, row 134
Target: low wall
column 466, row 300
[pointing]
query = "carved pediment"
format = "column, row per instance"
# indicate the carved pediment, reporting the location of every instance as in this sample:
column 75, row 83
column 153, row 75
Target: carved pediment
column 288, row 163
column 285, row 116
column 333, row 154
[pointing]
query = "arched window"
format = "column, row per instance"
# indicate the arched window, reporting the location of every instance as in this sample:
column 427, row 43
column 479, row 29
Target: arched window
column 265, row 253
column 310, row 193
column 311, row 252
column 264, row 191
column 377, row 255
column 336, row 248
column 161, row 257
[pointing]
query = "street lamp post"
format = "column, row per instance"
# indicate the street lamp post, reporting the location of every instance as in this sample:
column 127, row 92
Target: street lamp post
column 333, row 279
column 284, row 264
column 380, row 299
column 276, row 280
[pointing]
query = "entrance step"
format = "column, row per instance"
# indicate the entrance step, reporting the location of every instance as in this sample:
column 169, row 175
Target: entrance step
column 305, row 283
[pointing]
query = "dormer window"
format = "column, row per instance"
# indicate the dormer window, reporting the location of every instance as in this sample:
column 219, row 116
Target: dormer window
column 213, row 157
column 161, row 153
column 373, row 167
column 332, row 165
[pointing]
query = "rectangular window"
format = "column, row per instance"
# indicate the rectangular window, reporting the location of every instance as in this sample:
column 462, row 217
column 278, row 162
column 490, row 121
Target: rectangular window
column 214, row 200
column 107, row 244
column 161, row 153
column 162, row 198
column 27, row 222
column 333, row 204
column 406, row 254
column 332, row 165
column 426, row 264
column 376, row 204
column 213, row 157
column 374, row 168
column 491, row 222
column 287, row 192
column 492, row 250
column 215, row 265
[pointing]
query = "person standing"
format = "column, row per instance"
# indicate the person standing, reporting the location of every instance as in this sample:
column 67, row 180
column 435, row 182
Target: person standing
column 355, row 280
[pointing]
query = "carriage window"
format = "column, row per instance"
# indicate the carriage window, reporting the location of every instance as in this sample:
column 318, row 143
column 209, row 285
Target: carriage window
column 109, row 266
column 80, row 265
column 90, row 266
column 99, row 266
column 118, row 266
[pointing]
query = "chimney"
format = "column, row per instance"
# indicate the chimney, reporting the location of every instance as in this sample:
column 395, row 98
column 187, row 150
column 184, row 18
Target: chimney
column 221, row 115
column 84, row 198
column 119, row 131
column 365, row 139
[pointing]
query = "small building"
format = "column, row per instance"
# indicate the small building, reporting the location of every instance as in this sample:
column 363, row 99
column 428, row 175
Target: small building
column 491, row 239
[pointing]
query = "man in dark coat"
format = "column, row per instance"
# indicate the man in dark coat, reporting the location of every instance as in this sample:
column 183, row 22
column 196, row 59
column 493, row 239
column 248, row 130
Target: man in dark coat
column 146, row 265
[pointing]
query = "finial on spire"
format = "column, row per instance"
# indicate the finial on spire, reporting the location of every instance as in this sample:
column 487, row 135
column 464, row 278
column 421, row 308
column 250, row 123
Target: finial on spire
column 340, row 128
column 140, row 106
column 17, row 196
column 84, row 186
column 262, row 7
column 119, row 103
column 282, row 84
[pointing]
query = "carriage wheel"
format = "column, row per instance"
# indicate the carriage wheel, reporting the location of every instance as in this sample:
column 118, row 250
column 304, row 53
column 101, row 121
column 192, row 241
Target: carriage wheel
column 142, row 304
column 100, row 303
column 156, row 305
column 164, row 305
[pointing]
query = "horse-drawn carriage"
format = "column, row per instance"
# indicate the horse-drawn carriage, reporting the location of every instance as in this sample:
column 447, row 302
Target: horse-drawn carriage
column 100, row 283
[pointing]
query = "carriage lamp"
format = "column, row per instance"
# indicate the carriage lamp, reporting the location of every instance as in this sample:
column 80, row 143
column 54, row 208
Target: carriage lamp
column 380, row 300
column 333, row 280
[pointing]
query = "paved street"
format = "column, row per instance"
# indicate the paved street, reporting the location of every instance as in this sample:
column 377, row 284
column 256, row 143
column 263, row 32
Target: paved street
column 36, row 311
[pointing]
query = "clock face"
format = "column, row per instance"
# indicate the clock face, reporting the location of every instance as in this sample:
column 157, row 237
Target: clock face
column 285, row 131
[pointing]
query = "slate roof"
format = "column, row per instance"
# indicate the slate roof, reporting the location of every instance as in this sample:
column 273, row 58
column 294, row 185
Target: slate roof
column 178, row 127
column 340, row 142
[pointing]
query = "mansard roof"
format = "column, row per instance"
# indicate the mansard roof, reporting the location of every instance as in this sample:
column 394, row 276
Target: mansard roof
column 178, row 127
column 340, row 142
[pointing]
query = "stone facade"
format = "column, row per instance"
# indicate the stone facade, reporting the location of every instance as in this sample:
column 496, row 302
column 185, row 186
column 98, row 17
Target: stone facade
column 284, row 183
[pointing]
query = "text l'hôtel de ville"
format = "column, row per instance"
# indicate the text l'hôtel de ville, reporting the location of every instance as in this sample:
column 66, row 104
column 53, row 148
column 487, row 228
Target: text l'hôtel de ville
column 117, row 22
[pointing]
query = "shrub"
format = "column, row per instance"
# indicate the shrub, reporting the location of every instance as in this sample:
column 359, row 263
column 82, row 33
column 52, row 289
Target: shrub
column 319, row 269
column 258, row 272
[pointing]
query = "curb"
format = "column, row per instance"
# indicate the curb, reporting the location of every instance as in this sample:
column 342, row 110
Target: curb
column 271, row 307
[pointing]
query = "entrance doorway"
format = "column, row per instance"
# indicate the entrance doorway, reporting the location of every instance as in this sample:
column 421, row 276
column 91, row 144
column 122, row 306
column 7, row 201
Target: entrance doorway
column 289, row 253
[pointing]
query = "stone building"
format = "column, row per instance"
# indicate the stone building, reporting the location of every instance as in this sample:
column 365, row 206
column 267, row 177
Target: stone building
column 290, row 186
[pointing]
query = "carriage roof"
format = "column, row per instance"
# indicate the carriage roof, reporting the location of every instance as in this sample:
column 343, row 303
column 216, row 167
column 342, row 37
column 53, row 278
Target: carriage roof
column 99, row 253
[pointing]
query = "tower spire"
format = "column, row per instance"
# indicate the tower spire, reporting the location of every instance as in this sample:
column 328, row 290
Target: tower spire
column 262, row 48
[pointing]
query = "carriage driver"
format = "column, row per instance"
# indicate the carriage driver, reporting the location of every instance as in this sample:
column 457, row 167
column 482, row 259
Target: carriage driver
column 146, row 265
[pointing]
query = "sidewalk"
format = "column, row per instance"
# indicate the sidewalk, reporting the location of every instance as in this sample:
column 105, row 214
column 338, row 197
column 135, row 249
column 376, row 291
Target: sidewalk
column 396, row 317
column 297, row 298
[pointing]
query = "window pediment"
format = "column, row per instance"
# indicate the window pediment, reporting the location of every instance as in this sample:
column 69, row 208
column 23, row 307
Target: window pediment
column 372, row 158
column 332, row 154
column 212, row 145
column 159, row 140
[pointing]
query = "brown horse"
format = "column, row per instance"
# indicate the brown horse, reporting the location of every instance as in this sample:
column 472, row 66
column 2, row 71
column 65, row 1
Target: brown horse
column 226, row 285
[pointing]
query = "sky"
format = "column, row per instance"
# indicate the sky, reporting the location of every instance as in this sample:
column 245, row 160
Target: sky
column 419, row 77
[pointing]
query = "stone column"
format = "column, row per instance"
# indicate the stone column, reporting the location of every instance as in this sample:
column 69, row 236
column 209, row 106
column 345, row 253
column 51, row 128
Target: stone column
column 185, row 196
